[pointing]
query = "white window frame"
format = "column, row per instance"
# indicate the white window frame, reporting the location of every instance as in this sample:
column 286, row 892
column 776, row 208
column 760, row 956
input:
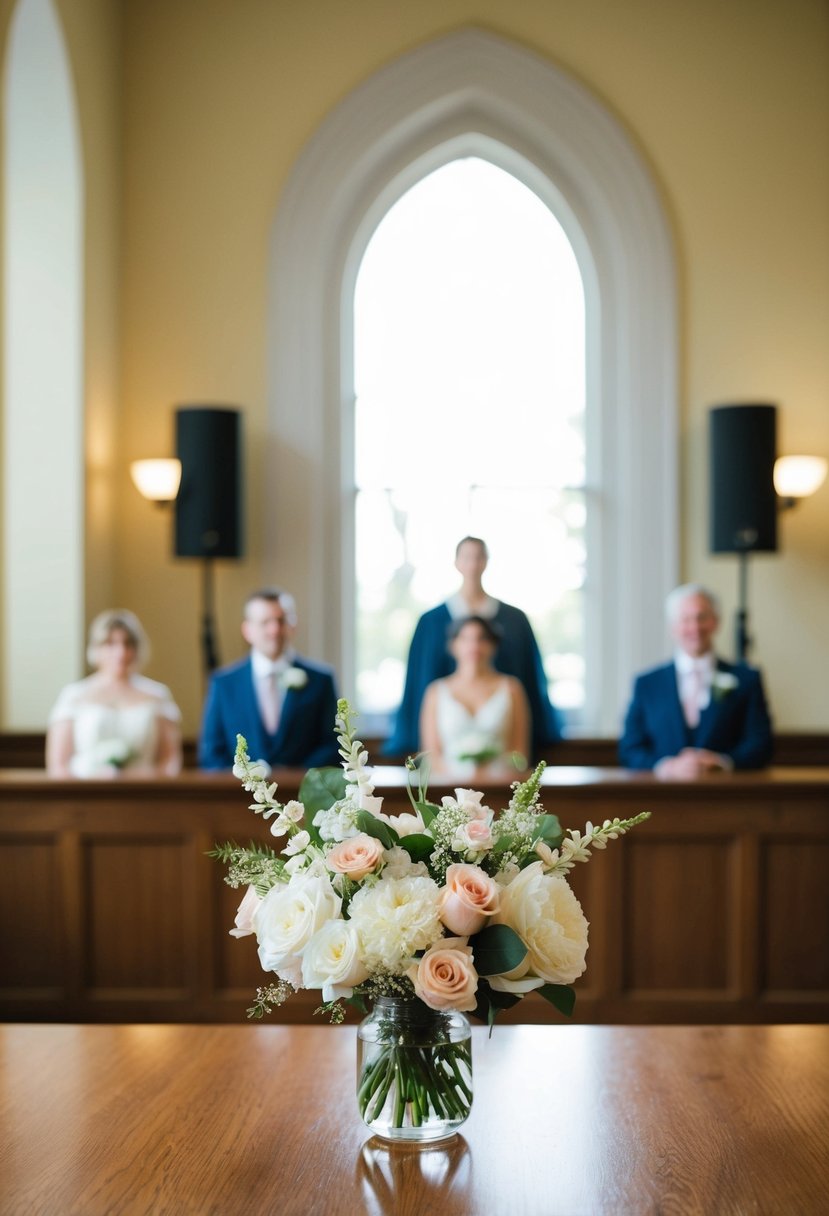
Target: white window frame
column 472, row 93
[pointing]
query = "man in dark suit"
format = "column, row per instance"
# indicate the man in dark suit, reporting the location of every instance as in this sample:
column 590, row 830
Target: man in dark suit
column 698, row 713
column 284, row 705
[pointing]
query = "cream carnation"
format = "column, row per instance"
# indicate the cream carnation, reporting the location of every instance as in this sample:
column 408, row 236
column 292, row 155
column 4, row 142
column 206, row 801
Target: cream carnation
column 287, row 919
column 395, row 918
column 546, row 915
column 445, row 977
column 468, row 899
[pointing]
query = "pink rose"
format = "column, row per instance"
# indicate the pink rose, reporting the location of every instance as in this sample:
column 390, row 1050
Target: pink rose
column 473, row 837
column 356, row 857
column 468, row 898
column 244, row 915
column 445, row 978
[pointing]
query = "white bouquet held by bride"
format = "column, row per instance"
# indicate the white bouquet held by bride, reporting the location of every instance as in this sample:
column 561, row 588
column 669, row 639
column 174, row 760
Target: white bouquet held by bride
column 449, row 905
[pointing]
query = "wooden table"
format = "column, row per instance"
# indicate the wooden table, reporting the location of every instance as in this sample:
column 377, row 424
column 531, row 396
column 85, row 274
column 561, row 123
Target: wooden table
column 134, row 1119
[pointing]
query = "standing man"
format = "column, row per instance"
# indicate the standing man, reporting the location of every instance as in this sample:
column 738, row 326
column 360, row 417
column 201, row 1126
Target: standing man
column 517, row 654
column 697, row 713
column 284, row 705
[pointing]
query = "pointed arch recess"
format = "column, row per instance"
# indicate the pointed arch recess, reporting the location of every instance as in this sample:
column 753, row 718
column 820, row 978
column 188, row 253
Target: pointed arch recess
column 472, row 93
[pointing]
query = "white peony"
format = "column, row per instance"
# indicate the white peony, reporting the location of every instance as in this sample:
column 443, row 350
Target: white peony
column 331, row 960
column 287, row 919
column 395, row 918
column 546, row 915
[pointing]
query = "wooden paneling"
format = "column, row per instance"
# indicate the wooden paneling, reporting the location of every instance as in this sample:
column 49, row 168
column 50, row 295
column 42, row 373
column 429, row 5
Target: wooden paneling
column 715, row 910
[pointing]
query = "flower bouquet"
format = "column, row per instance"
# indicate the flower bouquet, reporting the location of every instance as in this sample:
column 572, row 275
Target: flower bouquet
column 425, row 916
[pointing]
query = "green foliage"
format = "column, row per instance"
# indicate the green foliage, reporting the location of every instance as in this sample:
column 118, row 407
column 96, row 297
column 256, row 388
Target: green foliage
column 418, row 846
column 497, row 949
column 372, row 826
column 562, row 996
column 548, row 829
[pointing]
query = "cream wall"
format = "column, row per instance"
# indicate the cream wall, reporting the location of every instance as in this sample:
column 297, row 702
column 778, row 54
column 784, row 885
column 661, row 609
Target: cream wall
column 729, row 104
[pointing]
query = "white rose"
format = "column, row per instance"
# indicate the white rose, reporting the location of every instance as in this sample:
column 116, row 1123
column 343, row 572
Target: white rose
column 546, row 915
column 331, row 960
column 287, row 919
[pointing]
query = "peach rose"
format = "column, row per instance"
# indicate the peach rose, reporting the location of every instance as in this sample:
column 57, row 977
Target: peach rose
column 356, row 857
column 467, row 899
column 445, row 978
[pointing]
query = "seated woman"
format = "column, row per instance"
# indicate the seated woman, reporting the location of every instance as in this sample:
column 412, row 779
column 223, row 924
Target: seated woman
column 476, row 721
column 114, row 720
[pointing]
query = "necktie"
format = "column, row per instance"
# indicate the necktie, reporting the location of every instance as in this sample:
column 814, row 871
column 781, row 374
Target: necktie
column 270, row 703
column 691, row 700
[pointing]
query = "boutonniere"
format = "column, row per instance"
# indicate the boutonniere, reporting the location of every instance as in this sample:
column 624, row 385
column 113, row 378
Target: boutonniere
column 722, row 683
column 293, row 677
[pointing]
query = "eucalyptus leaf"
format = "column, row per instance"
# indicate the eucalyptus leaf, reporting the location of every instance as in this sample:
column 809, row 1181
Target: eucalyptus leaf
column 418, row 846
column 321, row 788
column 497, row 949
column 427, row 810
column 560, row 995
column 372, row 826
column 548, row 829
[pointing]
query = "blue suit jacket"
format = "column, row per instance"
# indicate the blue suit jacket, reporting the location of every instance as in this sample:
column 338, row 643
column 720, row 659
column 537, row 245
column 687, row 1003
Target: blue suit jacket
column 735, row 723
column 429, row 659
column 304, row 737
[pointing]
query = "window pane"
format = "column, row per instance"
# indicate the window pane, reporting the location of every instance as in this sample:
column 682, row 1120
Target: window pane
column 469, row 370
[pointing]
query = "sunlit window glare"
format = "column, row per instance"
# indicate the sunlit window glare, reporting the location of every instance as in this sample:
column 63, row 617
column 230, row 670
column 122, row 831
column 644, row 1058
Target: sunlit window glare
column 470, row 404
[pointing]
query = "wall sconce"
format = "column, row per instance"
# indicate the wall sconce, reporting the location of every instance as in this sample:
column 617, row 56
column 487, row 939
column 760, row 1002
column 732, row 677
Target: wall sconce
column 158, row 480
column 797, row 477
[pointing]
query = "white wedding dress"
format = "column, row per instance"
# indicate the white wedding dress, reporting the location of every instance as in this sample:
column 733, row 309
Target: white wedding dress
column 109, row 738
column 472, row 738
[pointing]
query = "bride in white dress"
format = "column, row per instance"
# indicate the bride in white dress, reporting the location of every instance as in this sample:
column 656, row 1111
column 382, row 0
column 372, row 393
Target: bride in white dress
column 476, row 721
column 114, row 720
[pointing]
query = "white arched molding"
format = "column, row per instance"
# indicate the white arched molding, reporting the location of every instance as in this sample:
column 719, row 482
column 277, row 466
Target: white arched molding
column 472, row 93
column 42, row 415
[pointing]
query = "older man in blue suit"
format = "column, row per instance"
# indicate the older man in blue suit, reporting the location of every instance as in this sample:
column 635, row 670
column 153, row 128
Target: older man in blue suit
column 697, row 713
column 284, row 705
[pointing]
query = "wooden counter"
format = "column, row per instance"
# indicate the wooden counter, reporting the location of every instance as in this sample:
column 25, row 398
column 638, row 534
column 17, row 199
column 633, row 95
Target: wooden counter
column 248, row 1121
column 714, row 911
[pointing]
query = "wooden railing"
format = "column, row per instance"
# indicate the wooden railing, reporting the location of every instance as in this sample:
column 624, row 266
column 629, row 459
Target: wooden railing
column 799, row 749
column 714, row 910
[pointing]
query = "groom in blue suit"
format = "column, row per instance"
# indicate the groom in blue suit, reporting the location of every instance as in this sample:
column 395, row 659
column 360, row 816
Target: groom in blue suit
column 284, row 705
column 698, row 713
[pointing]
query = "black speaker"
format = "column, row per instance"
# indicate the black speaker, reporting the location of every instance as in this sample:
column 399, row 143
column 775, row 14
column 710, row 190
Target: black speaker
column 208, row 512
column 743, row 501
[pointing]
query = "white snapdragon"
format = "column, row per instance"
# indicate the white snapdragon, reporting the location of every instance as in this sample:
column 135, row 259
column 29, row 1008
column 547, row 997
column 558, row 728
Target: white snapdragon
column 398, row 864
column 297, row 844
column 339, row 822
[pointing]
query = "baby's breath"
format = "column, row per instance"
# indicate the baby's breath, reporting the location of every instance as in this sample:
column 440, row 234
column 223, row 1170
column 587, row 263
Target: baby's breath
column 269, row 997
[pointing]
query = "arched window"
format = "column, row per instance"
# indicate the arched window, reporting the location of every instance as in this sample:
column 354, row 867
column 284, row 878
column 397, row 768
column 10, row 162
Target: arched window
column 42, row 445
column 469, row 374
column 473, row 94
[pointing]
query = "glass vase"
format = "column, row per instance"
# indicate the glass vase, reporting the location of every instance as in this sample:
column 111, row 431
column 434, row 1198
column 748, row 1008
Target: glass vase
column 414, row 1070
